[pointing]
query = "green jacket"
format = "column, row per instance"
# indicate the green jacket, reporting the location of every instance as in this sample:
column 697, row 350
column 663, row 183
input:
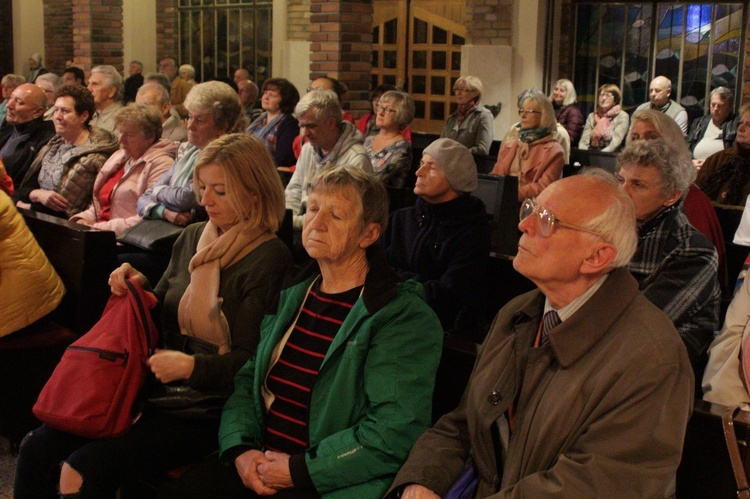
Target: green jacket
column 373, row 396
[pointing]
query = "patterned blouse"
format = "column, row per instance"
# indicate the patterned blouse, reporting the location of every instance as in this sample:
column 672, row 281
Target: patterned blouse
column 392, row 163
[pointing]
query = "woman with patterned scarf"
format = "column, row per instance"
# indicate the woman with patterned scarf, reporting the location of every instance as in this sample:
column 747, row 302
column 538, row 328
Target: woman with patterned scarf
column 277, row 127
column 725, row 176
column 472, row 124
column 535, row 157
column 607, row 127
column 213, row 298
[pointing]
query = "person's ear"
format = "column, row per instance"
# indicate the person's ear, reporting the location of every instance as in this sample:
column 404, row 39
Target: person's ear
column 600, row 259
column 673, row 198
column 370, row 234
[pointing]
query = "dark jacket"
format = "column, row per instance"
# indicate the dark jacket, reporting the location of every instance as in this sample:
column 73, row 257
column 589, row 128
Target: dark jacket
column 728, row 129
column 676, row 269
column 132, row 84
column 444, row 246
column 571, row 118
column 36, row 133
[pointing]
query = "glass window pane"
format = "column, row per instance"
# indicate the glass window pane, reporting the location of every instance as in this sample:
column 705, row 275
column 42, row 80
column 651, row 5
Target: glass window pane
column 390, row 59
column 438, row 59
column 389, row 80
column 420, row 31
column 439, row 36
column 419, row 59
column 375, row 58
column 376, row 35
column 374, row 81
column 390, row 31
column 458, row 40
column 437, row 85
column 418, row 84
column 437, row 111
column 419, row 109
column 455, row 61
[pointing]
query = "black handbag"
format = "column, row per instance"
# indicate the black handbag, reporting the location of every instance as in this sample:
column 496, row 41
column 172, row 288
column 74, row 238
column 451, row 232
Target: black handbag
column 180, row 400
column 152, row 234
column 183, row 401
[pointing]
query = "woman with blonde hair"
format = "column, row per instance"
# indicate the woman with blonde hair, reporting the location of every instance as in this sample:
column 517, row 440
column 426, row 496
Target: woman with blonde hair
column 568, row 114
column 472, row 124
column 213, row 297
column 607, row 127
column 535, row 156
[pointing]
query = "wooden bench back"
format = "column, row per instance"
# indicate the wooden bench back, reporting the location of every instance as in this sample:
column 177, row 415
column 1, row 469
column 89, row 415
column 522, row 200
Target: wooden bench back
column 83, row 258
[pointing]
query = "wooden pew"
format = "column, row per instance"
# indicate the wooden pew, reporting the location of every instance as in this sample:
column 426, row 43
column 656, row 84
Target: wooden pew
column 705, row 470
column 83, row 258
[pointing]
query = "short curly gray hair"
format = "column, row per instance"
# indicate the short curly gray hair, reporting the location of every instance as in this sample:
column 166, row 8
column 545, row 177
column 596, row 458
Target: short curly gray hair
column 145, row 116
column 676, row 173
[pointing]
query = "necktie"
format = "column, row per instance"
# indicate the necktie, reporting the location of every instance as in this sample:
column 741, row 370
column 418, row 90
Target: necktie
column 550, row 320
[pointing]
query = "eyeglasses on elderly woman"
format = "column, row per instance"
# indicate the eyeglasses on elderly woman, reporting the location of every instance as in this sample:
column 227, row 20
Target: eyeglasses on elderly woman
column 546, row 221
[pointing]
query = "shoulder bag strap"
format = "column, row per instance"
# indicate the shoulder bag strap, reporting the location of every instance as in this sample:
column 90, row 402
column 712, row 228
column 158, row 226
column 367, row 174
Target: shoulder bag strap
column 727, row 421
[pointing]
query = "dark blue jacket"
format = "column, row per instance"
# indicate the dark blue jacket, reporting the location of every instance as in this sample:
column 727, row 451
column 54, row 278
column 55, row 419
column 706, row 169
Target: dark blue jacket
column 444, row 246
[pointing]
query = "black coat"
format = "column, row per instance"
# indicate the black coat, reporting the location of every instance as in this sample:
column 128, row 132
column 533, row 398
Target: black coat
column 35, row 134
column 445, row 247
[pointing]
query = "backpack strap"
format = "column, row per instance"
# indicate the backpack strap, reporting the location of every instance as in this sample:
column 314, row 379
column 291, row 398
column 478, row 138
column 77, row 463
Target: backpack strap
column 142, row 313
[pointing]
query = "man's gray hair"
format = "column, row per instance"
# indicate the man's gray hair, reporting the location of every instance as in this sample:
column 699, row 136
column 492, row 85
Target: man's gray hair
column 12, row 78
column 725, row 94
column 112, row 79
column 324, row 103
column 617, row 223
column 160, row 79
column 161, row 92
column 676, row 172
column 50, row 77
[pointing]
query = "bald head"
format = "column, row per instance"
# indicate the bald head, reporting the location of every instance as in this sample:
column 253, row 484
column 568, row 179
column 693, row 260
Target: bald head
column 26, row 103
column 659, row 91
column 241, row 74
column 248, row 92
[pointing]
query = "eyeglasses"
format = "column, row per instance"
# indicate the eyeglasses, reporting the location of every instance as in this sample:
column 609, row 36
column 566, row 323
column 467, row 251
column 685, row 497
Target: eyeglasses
column 546, row 221
column 462, row 90
column 521, row 112
column 386, row 110
column 606, row 95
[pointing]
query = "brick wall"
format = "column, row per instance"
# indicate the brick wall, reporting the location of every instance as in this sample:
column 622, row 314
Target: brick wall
column 97, row 33
column 58, row 34
column 6, row 37
column 489, row 22
column 298, row 20
column 166, row 29
column 341, row 47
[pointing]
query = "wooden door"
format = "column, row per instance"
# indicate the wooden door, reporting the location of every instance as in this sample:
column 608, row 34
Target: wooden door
column 417, row 46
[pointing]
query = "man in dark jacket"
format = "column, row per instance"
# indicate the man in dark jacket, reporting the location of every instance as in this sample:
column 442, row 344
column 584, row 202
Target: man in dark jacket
column 443, row 241
column 24, row 130
column 717, row 130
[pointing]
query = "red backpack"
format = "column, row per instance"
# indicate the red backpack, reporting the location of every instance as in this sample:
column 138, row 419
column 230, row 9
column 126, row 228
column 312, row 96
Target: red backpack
column 92, row 390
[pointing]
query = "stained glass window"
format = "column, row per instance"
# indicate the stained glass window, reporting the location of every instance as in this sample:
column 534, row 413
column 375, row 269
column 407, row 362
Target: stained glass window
column 696, row 45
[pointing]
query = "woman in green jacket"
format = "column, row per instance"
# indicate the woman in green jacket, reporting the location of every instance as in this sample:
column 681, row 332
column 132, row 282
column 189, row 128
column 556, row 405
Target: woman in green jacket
column 341, row 386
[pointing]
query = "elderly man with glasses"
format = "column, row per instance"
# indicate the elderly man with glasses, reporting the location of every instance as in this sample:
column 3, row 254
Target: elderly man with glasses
column 583, row 387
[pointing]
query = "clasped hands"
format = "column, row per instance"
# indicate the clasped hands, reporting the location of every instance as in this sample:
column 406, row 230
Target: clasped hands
column 264, row 472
